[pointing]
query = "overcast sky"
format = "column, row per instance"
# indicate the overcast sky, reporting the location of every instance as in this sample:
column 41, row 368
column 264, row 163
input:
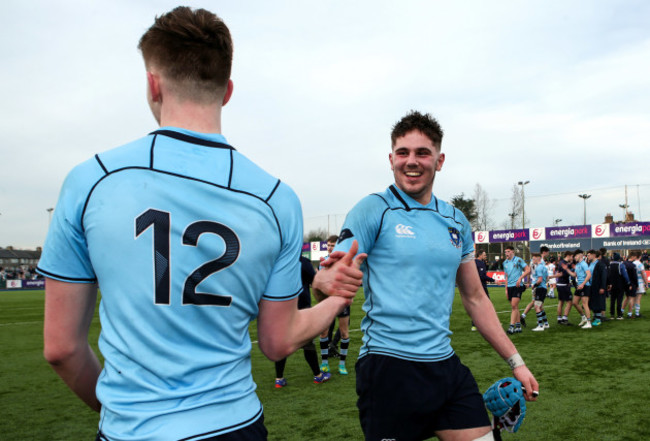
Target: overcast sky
column 550, row 91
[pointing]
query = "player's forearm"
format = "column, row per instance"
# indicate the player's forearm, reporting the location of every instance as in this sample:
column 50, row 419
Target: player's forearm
column 311, row 322
column 485, row 318
column 80, row 371
column 282, row 329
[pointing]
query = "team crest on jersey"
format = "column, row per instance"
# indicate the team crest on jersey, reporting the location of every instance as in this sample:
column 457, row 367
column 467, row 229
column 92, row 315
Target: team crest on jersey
column 346, row 233
column 454, row 236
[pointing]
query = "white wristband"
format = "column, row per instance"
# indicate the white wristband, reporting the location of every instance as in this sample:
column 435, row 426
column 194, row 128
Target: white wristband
column 515, row 361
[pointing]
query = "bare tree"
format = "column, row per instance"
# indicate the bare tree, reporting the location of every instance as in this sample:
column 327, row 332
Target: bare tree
column 516, row 206
column 483, row 205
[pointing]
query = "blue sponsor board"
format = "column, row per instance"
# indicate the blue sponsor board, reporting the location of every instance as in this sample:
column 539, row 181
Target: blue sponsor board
column 611, row 243
column 622, row 243
column 561, row 245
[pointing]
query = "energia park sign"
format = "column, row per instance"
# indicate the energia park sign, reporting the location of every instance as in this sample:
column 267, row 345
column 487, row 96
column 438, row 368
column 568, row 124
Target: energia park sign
column 633, row 235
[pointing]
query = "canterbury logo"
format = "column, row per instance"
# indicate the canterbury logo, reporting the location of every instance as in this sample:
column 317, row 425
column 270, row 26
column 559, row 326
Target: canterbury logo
column 404, row 230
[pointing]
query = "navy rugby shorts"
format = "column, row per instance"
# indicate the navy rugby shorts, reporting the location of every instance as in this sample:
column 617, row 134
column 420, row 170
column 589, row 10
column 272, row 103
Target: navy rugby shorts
column 410, row 400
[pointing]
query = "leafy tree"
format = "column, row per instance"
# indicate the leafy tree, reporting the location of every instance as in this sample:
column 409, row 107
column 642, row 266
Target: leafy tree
column 467, row 206
column 317, row 235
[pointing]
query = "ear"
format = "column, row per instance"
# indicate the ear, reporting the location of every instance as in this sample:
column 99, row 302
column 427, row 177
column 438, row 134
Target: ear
column 390, row 158
column 153, row 81
column 229, row 89
column 441, row 160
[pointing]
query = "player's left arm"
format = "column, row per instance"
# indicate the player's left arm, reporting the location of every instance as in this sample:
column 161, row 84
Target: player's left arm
column 587, row 278
column 482, row 312
column 69, row 310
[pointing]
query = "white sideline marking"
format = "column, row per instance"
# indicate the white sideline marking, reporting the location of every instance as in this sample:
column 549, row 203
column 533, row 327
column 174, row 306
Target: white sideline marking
column 20, row 323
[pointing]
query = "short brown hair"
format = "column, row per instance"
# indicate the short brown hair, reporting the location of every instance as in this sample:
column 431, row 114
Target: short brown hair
column 424, row 123
column 333, row 238
column 193, row 49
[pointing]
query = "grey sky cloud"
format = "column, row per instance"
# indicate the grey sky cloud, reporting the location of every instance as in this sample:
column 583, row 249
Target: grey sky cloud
column 548, row 91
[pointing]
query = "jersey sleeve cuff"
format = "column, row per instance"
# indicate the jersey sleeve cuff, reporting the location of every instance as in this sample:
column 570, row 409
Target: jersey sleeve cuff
column 62, row 278
column 282, row 298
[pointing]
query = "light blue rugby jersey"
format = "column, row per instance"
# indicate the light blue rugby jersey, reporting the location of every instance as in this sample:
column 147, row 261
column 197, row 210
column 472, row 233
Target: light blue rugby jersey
column 591, row 267
column 581, row 271
column 514, row 268
column 185, row 237
column 541, row 271
column 413, row 255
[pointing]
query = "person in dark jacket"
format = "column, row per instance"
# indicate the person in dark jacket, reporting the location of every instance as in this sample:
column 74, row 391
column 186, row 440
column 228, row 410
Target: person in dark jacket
column 598, row 294
column 618, row 283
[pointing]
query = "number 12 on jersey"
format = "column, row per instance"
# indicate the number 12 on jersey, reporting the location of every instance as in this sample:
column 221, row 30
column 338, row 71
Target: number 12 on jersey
column 160, row 221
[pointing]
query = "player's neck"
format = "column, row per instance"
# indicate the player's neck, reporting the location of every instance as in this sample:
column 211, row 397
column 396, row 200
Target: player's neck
column 192, row 116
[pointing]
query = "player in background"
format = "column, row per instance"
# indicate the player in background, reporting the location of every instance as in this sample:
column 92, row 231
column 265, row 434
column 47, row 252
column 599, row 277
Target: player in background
column 581, row 295
column 344, row 328
column 618, row 283
column 543, row 253
column 550, row 266
column 642, row 284
column 516, row 271
column 189, row 241
column 307, row 275
column 410, row 383
column 540, row 278
column 598, row 291
column 563, row 275
column 481, row 267
column 630, row 290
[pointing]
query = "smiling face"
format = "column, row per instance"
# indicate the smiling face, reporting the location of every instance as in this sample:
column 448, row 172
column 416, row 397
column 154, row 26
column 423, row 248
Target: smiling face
column 415, row 161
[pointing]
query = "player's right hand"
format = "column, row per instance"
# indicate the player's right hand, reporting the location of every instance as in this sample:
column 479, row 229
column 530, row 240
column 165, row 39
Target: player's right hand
column 340, row 275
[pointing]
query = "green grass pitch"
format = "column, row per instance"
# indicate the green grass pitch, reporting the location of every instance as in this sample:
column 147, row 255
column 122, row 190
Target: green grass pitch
column 594, row 384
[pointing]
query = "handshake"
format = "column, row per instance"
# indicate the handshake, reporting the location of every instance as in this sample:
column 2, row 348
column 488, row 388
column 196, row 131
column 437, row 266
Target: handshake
column 340, row 274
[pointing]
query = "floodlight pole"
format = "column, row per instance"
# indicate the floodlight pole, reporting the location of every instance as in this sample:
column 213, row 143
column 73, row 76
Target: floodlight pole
column 584, row 200
column 624, row 207
column 523, row 203
column 512, row 220
column 523, row 208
